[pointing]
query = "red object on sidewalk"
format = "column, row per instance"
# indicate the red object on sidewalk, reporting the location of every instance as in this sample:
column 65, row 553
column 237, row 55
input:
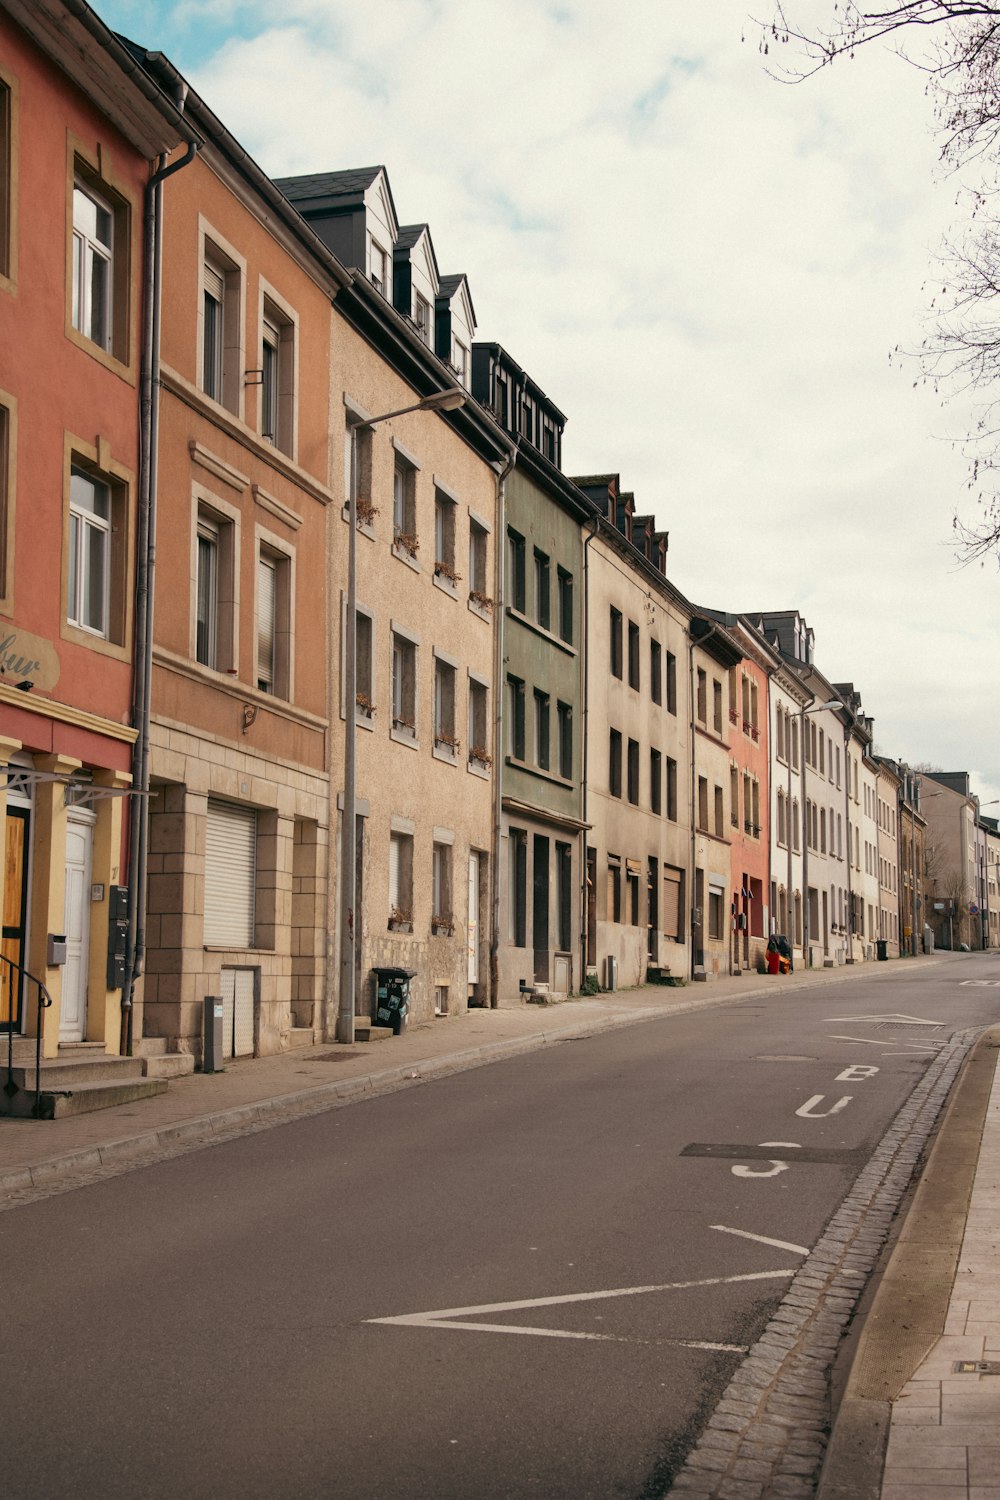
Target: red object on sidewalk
column 773, row 961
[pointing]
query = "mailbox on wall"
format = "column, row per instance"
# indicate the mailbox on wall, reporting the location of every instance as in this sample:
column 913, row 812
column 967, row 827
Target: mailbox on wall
column 117, row 935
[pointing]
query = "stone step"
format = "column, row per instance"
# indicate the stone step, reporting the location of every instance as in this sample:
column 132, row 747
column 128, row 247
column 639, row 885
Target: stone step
column 300, row 1036
column 63, row 1072
column 149, row 1046
column 168, row 1065
column 78, row 1098
column 367, row 1031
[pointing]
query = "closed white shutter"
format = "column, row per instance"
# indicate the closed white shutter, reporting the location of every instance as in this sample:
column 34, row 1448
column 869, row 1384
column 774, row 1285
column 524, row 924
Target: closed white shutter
column 671, row 919
column 230, row 874
column 265, row 624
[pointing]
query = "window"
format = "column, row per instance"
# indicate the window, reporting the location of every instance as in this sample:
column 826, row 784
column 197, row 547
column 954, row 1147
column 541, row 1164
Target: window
column 702, row 696
column 671, row 683
column 616, row 642
column 7, row 419
column 444, row 706
column 716, row 914
column 782, row 834
column 277, row 378
column 717, row 705
column 565, row 584
column 564, row 715
column 632, row 873
column 479, row 734
column 422, row 317
column 614, row 888
column 8, row 201
column 517, row 860
column 88, row 597
column 655, row 781
column 274, row 622
column 633, row 655
column 615, row 763
column 404, row 507
column 655, row 672
column 361, row 438
column 515, row 718
column 214, row 629
column 671, row 789
column 404, row 685
column 460, row 361
column 542, row 729
column 720, row 812
column 378, row 263
column 515, row 564
column 542, row 589
column 207, row 593
column 221, row 327
column 444, row 537
column 703, row 803
column 779, row 733
column 564, row 896
column 633, row 772
column 441, row 911
column 478, row 582
column 93, row 264
column 734, row 797
column 400, row 881
column 364, row 646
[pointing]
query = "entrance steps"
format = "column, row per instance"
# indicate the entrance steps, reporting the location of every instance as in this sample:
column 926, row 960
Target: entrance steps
column 81, row 1079
column 157, row 1062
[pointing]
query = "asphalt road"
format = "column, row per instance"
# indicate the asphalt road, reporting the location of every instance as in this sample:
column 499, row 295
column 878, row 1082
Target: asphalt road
column 612, row 1215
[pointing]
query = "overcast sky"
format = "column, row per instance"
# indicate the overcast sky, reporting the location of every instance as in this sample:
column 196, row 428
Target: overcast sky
column 705, row 269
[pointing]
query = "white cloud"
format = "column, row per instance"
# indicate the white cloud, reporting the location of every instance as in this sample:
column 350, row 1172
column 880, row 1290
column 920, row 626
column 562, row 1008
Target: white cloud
column 705, row 269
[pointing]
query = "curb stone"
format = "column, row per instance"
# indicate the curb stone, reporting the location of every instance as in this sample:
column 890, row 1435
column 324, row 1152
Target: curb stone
column 791, row 1412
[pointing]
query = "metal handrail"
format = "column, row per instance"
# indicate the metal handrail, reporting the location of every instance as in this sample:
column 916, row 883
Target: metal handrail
column 44, row 1001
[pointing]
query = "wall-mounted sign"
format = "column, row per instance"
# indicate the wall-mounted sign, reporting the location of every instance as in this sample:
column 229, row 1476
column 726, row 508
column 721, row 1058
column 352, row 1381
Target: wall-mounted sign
column 27, row 658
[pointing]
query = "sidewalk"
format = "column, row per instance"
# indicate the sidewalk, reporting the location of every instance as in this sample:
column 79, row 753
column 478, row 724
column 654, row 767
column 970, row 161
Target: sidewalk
column 924, row 1387
column 254, row 1092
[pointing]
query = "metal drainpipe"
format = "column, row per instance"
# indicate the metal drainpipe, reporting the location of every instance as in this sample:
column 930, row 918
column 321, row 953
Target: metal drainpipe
column 498, row 605
column 585, row 662
column 847, row 824
column 149, row 413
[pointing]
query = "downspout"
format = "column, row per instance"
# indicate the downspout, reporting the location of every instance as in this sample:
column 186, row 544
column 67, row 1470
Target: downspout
column 712, row 629
column 500, row 554
column 149, row 415
column 585, row 661
column 850, row 845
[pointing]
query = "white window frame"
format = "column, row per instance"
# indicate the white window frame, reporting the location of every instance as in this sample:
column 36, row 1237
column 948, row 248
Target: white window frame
column 84, row 525
column 91, row 253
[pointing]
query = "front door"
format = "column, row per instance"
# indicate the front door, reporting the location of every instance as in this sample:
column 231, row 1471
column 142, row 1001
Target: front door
column 76, row 925
column 15, row 917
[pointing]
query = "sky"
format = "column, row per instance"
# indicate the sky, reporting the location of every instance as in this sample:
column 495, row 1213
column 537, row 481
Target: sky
column 707, row 270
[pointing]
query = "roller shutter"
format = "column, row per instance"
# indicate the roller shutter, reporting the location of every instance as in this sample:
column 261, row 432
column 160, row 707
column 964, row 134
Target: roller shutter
column 230, row 871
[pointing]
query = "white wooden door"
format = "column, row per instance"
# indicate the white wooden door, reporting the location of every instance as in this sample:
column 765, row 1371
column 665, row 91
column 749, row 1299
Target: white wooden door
column 473, row 926
column 76, row 925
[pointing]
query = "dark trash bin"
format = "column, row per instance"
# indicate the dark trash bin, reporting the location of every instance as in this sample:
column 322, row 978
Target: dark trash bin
column 881, row 952
column 392, row 997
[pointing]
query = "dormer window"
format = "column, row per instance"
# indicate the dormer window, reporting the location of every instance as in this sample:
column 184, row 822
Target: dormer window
column 422, row 317
column 379, row 269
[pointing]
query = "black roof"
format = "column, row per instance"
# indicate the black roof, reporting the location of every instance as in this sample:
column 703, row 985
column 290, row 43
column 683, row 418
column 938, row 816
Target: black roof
column 328, row 184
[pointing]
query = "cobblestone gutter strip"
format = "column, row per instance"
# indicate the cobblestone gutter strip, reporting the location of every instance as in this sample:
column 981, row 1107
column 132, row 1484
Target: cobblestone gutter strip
column 767, row 1435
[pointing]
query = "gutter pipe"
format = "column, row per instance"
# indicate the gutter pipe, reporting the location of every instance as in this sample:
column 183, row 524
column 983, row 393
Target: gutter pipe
column 498, row 690
column 149, row 419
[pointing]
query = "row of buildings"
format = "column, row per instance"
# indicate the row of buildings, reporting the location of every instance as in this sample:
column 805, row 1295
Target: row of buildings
column 561, row 770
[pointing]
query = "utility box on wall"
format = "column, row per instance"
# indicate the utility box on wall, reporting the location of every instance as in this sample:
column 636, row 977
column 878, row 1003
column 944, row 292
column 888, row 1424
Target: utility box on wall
column 117, row 935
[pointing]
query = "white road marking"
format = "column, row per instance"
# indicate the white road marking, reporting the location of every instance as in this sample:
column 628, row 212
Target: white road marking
column 874, row 1041
column 444, row 1317
column 788, row 1145
column 981, row 984
column 762, row 1239
column 808, row 1113
column 856, row 1073
column 895, row 1016
column 777, row 1167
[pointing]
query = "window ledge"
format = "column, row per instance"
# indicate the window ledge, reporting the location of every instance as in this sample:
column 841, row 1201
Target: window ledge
column 406, row 737
column 542, row 775
column 480, row 610
column 365, row 528
column 445, row 584
column 476, row 768
column 540, row 630
column 445, row 753
column 405, row 557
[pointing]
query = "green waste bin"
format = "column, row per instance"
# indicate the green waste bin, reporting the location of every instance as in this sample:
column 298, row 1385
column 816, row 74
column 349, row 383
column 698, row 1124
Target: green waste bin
column 880, row 950
column 392, row 997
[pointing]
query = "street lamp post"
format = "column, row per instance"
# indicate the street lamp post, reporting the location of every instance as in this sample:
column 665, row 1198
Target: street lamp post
column 446, row 400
